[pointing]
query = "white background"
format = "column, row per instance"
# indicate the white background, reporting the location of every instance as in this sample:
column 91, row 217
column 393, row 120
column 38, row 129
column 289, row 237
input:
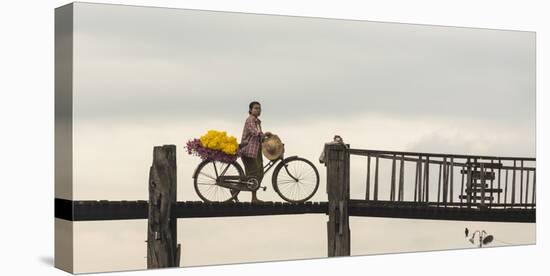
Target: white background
column 27, row 140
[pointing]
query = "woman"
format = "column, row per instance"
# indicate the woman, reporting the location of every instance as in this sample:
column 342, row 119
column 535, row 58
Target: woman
column 251, row 153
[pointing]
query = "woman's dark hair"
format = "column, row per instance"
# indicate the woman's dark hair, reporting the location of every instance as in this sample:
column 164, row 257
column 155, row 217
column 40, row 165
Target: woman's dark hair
column 251, row 105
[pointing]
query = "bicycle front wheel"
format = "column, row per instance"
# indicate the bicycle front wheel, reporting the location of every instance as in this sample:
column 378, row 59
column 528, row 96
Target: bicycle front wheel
column 295, row 179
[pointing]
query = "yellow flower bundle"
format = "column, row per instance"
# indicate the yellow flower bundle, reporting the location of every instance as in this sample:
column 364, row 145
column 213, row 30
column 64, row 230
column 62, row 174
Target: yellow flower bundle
column 219, row 140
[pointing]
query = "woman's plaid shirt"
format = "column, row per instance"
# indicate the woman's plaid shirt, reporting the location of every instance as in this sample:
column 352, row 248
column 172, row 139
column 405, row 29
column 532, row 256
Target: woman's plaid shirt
column 252, row 130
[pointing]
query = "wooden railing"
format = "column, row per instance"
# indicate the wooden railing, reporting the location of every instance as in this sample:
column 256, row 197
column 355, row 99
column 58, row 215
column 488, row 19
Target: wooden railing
column 450, row 180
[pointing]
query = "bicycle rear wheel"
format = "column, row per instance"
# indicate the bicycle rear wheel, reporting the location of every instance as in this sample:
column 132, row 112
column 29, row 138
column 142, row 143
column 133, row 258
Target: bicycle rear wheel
column 206, row 178
column 295, row 179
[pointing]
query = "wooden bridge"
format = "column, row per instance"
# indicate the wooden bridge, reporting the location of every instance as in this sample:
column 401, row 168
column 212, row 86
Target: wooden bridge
column 398, row 185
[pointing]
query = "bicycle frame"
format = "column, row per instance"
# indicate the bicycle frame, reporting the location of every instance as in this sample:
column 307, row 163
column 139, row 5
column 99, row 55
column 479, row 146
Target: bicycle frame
column 228, row 180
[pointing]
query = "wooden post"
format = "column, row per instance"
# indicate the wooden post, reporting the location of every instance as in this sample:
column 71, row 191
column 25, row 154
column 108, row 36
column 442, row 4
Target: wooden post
column 534, row 195
column 162, row 247
column 427, row 178
column 392, row 191
column 514, row 184
column 401, row 178
column 367, row 195
column 338, row 232
column 446, row 182
column 452, row 179
column 376, row 179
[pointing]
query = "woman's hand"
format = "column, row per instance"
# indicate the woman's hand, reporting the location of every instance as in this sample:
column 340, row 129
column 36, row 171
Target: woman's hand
column 266, row 135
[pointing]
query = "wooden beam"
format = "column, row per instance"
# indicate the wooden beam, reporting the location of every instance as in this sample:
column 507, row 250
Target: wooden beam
column 463, row 156
column 338, row 232
column 96, row 210
column 473, row 165
column 162, row 247
column 199, row 209
column 422, row 210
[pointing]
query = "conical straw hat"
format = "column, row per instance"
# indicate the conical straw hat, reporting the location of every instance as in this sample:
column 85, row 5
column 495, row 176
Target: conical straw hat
column 272, row 147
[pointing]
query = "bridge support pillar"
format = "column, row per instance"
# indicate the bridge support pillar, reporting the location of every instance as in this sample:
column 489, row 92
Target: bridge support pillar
column 336, row 159
column 162, row 247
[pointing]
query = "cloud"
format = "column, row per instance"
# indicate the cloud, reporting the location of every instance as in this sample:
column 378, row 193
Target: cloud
column 478, row 139
column 157, row 63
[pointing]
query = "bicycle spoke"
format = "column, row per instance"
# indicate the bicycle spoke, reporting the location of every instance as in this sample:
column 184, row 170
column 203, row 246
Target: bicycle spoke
column 208, row 190
column 216, row 195
column 292, row 188
column 294, row 171
column 288, row 192
column 306, row 181
column 291, row 192
column 300, row 170
column 203, row 181
column 295, row 190
column 308, row 172
column 286, row 187
column 301, row 190
column 207, row 175
column 286, row 177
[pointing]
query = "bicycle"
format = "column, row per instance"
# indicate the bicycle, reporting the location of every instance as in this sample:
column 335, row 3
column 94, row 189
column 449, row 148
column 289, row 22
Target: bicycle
column 295, row 179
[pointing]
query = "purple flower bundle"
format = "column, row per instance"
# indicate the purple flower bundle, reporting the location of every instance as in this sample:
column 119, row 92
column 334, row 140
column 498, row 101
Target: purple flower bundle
column 194, row 147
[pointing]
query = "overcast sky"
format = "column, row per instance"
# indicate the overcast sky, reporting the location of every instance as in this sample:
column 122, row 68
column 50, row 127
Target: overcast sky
column 145, row 77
